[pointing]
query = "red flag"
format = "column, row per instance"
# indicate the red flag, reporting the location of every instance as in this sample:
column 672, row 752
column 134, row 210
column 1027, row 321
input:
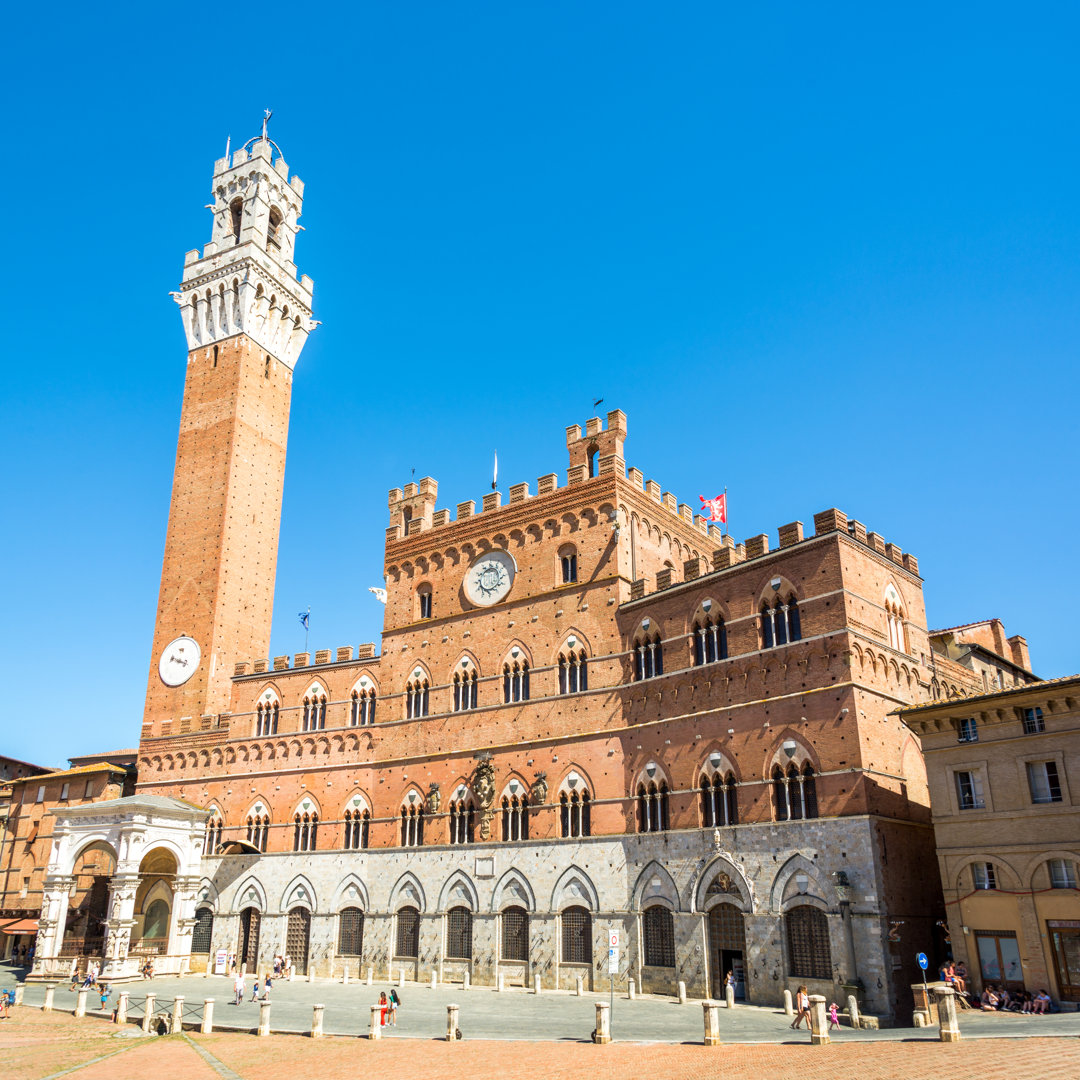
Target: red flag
column 715, row 509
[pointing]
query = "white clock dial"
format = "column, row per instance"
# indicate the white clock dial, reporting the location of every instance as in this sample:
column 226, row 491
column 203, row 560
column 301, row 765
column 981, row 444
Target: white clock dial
column 490, row 578
column 178, row 662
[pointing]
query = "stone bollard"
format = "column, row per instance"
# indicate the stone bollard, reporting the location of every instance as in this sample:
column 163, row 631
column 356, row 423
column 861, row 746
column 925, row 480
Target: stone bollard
column 434, row 980
column 452, row 1032
column 631, row 989
column 370, row 975
column 401, row 979
column 729, row 997
column 80, row 1002
column 316, row 1021
column 603, row 1023
column 466, row 982
column 177, row 1023
column 711, row 1010
column 345, row 976
column 500, row 982
column 789, row 1009
column 148, row 1015
column 375, row 1031
column 853, row 1010
column 946, row 1010
column 538, row 987
column 819, row 1026
column 122, row 1007
column 264, row 1018
column 311, row 974
column 579, row 986
column 682, row 992
column 19, row 994
column 47, row 1004
column 292, row 972
column 207, row 1026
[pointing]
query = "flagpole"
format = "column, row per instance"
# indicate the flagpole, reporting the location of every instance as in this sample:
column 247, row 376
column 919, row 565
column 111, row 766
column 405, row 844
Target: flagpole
column 307, row 628
column 723, row 523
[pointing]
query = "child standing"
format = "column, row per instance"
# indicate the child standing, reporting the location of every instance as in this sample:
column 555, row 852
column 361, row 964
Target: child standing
column 255, row 988
column 834, row 1016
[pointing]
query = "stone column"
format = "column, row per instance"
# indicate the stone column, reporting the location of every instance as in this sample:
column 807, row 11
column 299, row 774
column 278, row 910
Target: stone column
column 451, row 1023
column 370, row 975
column 946, row 1006
column 148, row 1015
column 500, row 982
column 264, row 1018
column 207, row 1016
column 789, row 1009
column 19, row 991
column 185, row 893
column 434, row 979
column 375, row 1031
column 401, row 979
column 631, row 988
column 316, row 1021
column 579, row 986
column 729, row 997
column 344, row 974
column 603, row 1023
column 682, row 992
column 712, row 1022
column 853, row 1010
column 819, row 1026
column 538, row 986
column 80, row 1002
column 176, row 1024
column 47, row 1005
column 119, row 925
column 122, row 1007
column 50, row 936
column 466, row 982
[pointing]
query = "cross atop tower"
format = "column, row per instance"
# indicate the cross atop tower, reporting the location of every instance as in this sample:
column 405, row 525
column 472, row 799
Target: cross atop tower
column 267, row 113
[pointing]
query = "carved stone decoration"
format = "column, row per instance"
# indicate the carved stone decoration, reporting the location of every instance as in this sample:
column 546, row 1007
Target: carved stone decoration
column 483, row 785
column 539, row 789
column 722, row 883
column 434, row 798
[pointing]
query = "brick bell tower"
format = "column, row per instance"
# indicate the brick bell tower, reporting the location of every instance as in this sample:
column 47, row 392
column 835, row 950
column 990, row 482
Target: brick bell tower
column 246, row 316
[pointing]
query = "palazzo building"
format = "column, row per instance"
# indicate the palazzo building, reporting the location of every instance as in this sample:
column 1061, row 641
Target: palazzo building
column 588, row 710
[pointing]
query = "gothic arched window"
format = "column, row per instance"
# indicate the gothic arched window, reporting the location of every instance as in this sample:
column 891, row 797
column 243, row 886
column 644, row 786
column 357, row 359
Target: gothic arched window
column 258, row 828
column 652, row 806
column 462, row 820
column 710, row 640
column 516, row 681
column 362, row 710
column 515, row 817
column 416, row 698
column 648, row 656
column 465, row 690
column 412, row 824
column 273, row 228
column 573, row 672
column 575, row 817
column 236, row 218
column 719, row 800
column 305, row 830
column 357, row 824
column 266, row 718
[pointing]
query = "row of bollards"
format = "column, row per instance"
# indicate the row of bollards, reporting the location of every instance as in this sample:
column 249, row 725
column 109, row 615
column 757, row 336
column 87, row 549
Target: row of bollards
column 819, row 1034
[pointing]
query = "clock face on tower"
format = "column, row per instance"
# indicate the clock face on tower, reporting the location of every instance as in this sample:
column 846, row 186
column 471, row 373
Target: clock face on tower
column 490, row 578
column 178, row 662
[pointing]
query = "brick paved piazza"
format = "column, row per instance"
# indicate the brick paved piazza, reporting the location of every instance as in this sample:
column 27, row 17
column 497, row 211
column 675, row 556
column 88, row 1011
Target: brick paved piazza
column 35, row 1045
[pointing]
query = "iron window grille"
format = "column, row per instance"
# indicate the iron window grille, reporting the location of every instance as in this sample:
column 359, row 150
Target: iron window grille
column 659, row 926
column 515, row 934
column 576, row 925
column 809, row 954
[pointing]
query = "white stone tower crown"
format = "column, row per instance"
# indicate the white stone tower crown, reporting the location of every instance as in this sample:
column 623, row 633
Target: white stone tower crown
column 245, row 280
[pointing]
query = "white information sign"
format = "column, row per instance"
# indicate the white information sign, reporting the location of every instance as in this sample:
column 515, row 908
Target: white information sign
column 613, row 939
column 221, row 962
column 613, row 961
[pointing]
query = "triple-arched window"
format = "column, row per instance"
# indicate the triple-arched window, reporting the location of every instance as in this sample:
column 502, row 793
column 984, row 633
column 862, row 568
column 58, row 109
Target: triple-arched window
column 573, row 671
column 780, row 622
column 465, row 690
column 213, row 834
column 719, row 800
column 516, row 680
column 412, row 824
column 710, row 640
column 357, row 825
column 314, row 711
column 362, row 710
column 305, row 831
column 894, row 616
column 648, row 656
column 515, row 817
column 416, row 698
column 794, row 792
column 652, row 806
column 266, row 718
column 462, row 820
column 575, row 813
column 258, row 829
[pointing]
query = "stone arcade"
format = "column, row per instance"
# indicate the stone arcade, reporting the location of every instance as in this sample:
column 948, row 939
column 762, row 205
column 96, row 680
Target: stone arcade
column 590, row 709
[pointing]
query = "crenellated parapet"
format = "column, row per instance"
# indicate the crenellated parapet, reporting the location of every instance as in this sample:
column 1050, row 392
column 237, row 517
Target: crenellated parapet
column 321, row 658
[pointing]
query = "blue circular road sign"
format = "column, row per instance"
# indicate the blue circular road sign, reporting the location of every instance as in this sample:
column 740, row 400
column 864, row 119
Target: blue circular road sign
column 920, row 959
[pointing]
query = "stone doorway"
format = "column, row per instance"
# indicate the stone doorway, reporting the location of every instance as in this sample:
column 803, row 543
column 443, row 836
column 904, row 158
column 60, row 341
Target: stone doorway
column 727, row 949
column 297, row 937
column 249, row 939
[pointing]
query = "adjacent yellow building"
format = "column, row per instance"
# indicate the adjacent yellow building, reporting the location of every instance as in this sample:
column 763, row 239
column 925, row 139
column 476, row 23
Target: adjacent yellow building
column 1004, row 775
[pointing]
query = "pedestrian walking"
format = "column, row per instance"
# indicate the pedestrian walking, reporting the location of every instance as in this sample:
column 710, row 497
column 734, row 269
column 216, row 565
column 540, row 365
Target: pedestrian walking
column 383, row 1006
column 255, row 988
column 834, row 1016
column 395, row 1002
column 238, row 988
column 802, row 1006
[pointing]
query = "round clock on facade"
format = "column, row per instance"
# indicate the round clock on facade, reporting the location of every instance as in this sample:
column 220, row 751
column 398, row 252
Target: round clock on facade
column 490, row 578
column 178, row 662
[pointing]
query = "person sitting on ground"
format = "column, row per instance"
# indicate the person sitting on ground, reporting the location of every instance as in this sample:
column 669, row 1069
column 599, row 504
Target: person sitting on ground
column 1042, row 1003
column 989, row 1000
column 959, row 983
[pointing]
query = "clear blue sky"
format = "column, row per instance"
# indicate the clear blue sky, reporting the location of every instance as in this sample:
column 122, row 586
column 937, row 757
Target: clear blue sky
column 820, row 254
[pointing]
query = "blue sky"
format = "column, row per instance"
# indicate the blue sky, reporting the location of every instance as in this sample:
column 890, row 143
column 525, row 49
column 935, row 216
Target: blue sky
column 819, row 254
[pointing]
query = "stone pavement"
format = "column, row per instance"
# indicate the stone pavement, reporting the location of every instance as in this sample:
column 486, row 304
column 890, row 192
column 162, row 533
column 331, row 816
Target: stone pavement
column 515, row 1014
column 48, row 1046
